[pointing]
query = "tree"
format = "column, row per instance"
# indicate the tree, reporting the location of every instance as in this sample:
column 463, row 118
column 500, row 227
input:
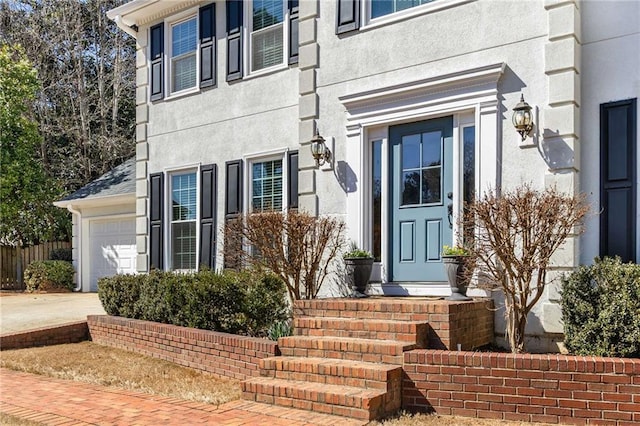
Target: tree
column 26, row 194
column 516, row 235
column 85, row 108
column 298, row 248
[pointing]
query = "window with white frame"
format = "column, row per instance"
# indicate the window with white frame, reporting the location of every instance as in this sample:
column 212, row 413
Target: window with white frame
column 267, row 186
column 183, row 226
column 378, row 8
column 267, row 33
column 183, row 56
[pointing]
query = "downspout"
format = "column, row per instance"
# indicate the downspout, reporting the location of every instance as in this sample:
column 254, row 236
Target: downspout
column 78, row 286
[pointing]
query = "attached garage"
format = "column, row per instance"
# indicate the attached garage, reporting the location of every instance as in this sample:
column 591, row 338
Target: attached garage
column 104, row 226
column 113, row 249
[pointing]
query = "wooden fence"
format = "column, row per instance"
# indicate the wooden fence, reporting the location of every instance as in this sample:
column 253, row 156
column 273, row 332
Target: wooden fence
column 14, row 260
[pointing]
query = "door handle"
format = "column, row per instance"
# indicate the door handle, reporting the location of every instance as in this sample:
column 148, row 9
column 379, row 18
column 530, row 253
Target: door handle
column 450, row 214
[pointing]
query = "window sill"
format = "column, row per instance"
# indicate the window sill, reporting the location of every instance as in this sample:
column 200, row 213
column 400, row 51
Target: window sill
column 412, row 13
column 267, row 71
column 180, row 94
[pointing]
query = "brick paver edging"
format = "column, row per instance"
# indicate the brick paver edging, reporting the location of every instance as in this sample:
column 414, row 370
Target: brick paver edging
column 52, row 401
column 54, row 335
column 527, row 387
column 218, row 353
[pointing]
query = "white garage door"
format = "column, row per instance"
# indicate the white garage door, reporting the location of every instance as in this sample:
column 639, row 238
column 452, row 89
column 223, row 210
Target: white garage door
column 113, row 249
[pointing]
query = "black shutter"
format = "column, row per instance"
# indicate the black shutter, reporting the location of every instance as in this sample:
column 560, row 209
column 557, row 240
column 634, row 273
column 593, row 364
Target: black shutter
column 208, row 45
column 234, row 40
column 233, row 212
column 348, row 16
column 618, row 170
column 292, row 165
column 157, row 63
column 208, row 191
column 156, row 219
column 293, row 31
column 233, row 189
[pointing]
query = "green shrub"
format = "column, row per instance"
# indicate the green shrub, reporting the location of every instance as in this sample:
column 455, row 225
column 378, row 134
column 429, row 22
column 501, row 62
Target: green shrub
column 61, row 254
column 238, row 303
column 119, row 294
column 48, row 275
column 280, row 329
column 601, row 309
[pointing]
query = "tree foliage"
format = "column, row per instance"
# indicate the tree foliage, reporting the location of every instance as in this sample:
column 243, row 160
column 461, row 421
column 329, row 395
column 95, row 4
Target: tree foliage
column 516, row 235
column 85, row 108
column 27, row 215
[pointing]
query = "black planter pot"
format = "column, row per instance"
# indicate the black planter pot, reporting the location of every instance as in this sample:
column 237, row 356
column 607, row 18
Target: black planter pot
column 358, row 273
column 454, row 267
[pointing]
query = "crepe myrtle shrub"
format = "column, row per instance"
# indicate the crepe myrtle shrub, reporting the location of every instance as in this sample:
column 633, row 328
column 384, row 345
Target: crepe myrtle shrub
column 230, row 302
column 601, row 309
column 49, row 275
column 516, row 233
column 297, row 247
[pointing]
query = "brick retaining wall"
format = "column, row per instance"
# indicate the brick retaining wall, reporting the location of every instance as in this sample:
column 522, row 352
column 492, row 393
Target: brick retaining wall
column 54, row 335
column 218, row 353
column 532, row 388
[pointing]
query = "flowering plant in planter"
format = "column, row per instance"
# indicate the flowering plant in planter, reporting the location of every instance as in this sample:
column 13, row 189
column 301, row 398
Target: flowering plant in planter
column 454, row 265
column 358, row 263
column 454, row 251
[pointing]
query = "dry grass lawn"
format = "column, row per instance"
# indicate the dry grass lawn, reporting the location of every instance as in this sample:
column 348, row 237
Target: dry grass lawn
column 101, row 365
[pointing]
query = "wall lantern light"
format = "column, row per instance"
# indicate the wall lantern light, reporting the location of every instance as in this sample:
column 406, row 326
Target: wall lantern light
column 319, row 150
column 522, row 118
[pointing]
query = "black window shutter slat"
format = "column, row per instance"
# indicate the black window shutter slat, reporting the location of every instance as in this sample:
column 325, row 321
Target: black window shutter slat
column 348, row 16
column 293, row 179
column 208, row 191
column 293, row 31
column 618, row 171
column 157, row 66
column 208, row 45
column 234, row 40
column 156, row 219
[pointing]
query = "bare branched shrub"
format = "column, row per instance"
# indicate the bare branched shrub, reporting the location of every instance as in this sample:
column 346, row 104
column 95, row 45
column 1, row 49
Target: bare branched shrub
column 299, row 248
column 516, row 235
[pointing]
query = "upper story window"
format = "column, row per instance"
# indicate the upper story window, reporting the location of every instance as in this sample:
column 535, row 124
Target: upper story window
column 182, row 53
column 184, row 42
column 267, row 34
column 355, row 14
column 385, row 7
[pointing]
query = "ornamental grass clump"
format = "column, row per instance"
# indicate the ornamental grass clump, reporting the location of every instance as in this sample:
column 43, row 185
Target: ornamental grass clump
column 516, row 234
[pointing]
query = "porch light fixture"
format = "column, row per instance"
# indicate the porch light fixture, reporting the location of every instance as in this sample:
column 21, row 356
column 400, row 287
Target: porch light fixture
column 319, row 150
column 522, row 118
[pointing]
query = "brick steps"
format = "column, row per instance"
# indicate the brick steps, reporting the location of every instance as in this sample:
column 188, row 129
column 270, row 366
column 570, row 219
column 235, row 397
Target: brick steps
column 354, row 402
column 345, row 358
column 333, row 371
column 405, row 331
column 367, row 350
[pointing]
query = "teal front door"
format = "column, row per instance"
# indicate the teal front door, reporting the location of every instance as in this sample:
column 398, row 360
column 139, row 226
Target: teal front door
column 421, row 160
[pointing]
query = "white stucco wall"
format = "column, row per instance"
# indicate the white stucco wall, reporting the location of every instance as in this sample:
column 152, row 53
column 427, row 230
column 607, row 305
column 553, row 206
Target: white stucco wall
column 610, row 72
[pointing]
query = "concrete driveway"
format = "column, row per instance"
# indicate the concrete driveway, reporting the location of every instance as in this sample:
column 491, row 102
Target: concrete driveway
column 26, row 311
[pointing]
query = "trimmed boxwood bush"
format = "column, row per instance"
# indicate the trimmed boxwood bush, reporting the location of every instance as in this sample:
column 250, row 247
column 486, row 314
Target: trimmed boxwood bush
column 49, row 275
column 231, row 302
column 601, row 309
